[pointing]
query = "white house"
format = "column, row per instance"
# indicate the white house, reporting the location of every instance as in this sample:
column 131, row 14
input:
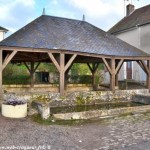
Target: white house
column 135, row 30
column 2, row 33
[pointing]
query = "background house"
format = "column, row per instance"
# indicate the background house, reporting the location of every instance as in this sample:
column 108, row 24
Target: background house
column 135, row 30
column 2, row 33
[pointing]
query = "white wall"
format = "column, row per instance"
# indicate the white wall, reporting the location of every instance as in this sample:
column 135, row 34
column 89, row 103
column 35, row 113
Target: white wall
column 140, row 38
column 1, row 35
column 145, row 38
column 131, row 37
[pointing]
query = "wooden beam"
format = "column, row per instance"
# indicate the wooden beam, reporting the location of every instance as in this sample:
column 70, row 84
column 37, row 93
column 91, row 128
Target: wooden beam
column 40, row 50
column 1, row 78
column 148, row 75
column 54, row 61
column 62, row 74
column 70, row 61
column 91, row 69
column 27, row 67
column 96, row 66
column 107, row 65
column 8, row 59
column 36, row 66
column 139, row 63
column 119, row 66
column 145, row 66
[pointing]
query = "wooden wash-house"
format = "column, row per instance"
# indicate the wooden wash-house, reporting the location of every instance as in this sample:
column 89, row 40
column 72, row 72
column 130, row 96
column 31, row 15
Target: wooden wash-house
column 63, row 42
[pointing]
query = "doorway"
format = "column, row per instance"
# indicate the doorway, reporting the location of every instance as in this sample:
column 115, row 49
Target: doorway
column 129, row 70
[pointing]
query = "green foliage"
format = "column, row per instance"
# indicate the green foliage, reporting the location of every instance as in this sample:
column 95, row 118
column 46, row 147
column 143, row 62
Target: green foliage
column 47, row 67
column 80, row 69
column 82, row 79
column 16, row 74
column 52, row 121
column 80, row 100
column 80, row 73
column 43, row 99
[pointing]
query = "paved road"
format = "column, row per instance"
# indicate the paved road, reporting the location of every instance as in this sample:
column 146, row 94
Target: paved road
column 119, row 133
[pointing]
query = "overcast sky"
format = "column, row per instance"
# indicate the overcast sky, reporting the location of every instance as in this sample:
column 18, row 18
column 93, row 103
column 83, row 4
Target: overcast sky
column 14, row 14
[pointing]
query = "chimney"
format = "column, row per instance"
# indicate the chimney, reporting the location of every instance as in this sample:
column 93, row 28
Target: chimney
column 129, row 9
column 43, row 13
column 83, row 18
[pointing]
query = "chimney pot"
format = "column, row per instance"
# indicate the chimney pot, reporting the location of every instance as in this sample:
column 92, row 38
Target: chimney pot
column 129, row 9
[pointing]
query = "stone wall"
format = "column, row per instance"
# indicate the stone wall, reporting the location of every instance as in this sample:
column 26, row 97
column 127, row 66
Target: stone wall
column 46, row 88
column 84, row 98
column 142, row 98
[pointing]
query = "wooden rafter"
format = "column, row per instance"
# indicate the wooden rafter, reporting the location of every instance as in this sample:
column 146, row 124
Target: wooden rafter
column 1, row 65
column 8, row 59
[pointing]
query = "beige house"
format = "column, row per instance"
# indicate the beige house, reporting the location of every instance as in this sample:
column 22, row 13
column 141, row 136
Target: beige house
column 135, row 30
column 2, row 33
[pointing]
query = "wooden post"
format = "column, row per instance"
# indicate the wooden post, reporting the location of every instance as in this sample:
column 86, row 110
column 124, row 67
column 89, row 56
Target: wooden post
column 1, row 78
column 32, row 70
column 146, row 69
column 62, row 68
column 148, row 75
column 93, row 69
column 32, row 74
column 116, row 80
column 116, row 76
column 67, row 75
column 62, row 74
column 112, row 81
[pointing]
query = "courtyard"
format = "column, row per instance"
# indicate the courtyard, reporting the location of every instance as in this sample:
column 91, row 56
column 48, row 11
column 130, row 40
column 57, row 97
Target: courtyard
column 129, row 132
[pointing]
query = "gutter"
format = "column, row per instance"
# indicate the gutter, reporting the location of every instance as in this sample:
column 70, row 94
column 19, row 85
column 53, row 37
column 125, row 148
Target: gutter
column 130, row 28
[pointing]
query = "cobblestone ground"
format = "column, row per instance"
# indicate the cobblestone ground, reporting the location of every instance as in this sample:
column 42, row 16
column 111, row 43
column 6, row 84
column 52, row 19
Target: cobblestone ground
column 119, row 133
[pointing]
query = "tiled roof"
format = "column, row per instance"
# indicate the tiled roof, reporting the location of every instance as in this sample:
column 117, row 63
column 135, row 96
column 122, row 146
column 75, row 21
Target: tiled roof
column 138, row 17
column 3, row 29
column 47, row 32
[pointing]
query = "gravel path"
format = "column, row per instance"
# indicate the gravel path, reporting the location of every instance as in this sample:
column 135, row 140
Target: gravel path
column 123, row 133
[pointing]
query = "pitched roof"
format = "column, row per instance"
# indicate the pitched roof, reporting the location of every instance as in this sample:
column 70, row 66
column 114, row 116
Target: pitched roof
column 138, row 17
column 3, row 29
column 47, row 32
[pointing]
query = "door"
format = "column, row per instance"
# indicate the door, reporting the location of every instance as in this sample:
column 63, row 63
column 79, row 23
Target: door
column 129, row 70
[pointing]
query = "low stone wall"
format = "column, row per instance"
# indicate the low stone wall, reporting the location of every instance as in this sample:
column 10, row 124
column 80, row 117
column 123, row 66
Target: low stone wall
column 142, row 98
column 46, row 88
column 101, row 113
column 79, row 98
column 83, row 97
